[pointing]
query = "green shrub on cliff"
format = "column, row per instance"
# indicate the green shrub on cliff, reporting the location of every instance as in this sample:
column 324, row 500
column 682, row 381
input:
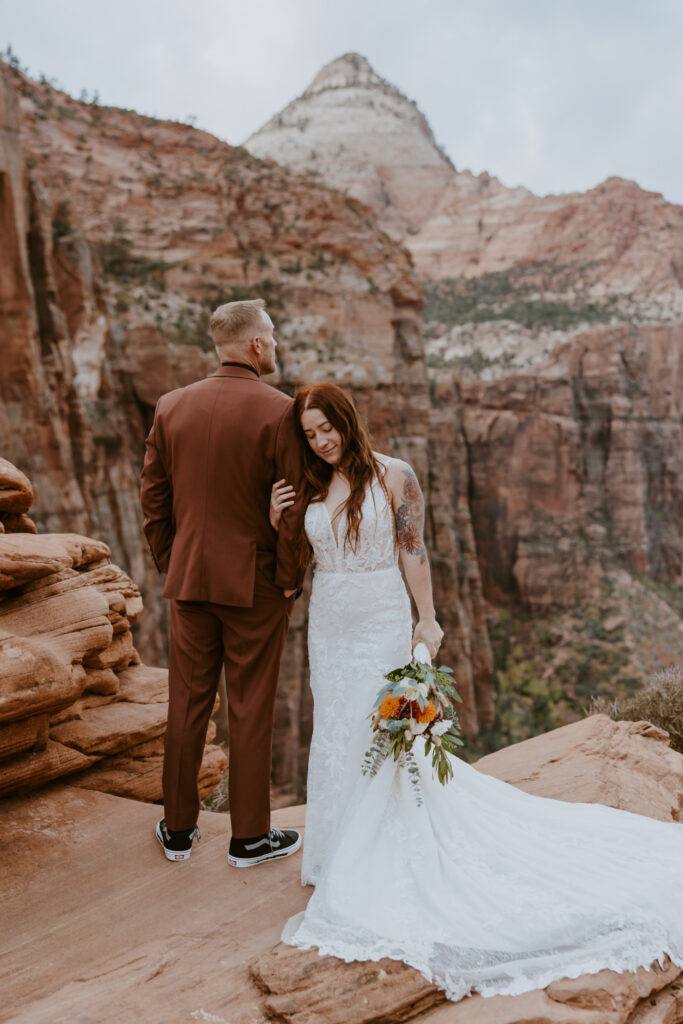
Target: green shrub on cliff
column 660, row 702
column 537, row 295
column 118, row 260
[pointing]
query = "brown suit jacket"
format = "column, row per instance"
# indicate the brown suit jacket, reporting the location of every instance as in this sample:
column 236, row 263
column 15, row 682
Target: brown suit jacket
column 213, row 453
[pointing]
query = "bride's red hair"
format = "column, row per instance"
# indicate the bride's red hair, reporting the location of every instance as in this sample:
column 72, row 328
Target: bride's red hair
column 358, row 461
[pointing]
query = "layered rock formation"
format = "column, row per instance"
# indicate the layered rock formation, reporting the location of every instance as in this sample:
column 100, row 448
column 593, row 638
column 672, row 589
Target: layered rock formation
column 16, row 498
column 555, row 336
column 69, row 416
column 302, row 988
column 579, row 463
column 361, row 134
column 74, row 695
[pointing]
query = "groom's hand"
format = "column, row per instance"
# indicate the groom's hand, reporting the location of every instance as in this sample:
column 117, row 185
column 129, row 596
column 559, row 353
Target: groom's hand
column 281, row 497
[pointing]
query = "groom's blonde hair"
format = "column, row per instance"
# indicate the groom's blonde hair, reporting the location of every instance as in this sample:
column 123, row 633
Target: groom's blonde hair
column 231, row 322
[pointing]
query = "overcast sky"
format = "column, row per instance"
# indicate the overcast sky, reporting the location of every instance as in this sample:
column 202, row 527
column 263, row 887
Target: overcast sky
column 555, row 95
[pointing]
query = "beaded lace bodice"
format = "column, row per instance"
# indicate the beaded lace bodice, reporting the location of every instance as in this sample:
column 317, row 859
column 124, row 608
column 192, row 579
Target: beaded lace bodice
column 377, row 548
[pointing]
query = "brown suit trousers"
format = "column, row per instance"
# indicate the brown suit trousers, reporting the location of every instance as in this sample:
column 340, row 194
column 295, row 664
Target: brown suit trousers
column 213, row 453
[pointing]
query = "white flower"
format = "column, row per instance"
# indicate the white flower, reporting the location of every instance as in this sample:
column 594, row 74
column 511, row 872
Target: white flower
column 415, row 728
column 411, row 690
column 421, row 653
column 439, row 728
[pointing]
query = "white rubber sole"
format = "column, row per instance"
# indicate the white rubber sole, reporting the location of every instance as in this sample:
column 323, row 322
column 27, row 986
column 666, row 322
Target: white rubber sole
column 174, row 855
column 250, row 862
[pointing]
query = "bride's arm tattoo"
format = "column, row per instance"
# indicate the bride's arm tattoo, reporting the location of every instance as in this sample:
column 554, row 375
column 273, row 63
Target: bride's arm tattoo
column 410, row 518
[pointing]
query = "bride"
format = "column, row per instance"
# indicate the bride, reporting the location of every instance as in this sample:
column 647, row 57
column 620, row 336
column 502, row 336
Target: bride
column 481, row 887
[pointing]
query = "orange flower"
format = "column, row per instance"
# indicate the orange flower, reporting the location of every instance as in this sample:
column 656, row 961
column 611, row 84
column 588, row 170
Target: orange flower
column 428, row 715
column 390, row 707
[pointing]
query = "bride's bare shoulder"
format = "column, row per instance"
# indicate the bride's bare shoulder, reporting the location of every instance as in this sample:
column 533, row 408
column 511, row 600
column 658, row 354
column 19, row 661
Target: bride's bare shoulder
column 386, row 462
column 395, row 470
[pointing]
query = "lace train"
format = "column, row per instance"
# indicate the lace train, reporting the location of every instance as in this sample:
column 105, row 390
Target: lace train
column 486, row 888
column 461, row 971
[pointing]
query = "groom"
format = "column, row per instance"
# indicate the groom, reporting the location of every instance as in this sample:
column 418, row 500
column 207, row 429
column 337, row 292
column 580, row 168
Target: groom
column 212, row 455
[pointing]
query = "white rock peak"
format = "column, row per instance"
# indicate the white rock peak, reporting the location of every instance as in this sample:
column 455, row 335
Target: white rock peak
column 349, row 70
column 359, row 133
column 363, row 135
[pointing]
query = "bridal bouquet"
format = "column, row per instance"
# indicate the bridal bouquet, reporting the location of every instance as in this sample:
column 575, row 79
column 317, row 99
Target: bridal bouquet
column 416, row 701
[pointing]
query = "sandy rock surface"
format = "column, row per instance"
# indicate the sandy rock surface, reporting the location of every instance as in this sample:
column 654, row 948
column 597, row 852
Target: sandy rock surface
column 117, row 933
column 628, row 765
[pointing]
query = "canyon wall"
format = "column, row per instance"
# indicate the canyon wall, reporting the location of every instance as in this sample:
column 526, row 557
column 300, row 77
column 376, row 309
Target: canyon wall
column 579, row 464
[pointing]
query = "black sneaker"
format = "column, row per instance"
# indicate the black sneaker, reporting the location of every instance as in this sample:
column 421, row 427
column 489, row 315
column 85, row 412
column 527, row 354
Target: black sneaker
column 177, row 844
column 244, row 853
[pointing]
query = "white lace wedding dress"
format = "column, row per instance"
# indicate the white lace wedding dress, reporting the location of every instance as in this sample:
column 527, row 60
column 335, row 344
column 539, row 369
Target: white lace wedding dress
column 484, row 887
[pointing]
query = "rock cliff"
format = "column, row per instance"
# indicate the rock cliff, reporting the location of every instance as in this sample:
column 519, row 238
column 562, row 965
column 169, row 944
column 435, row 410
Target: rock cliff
column 359, row 133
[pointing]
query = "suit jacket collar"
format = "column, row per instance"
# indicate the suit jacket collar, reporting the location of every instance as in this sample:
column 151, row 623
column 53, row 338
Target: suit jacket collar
column 236, row 371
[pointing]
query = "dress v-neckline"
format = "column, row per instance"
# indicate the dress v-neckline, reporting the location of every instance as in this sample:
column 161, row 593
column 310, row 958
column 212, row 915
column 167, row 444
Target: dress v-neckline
column 341, row 515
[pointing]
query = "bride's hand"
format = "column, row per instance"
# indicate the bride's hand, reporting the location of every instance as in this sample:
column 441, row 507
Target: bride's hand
column 281, row 497
column 430, row 633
